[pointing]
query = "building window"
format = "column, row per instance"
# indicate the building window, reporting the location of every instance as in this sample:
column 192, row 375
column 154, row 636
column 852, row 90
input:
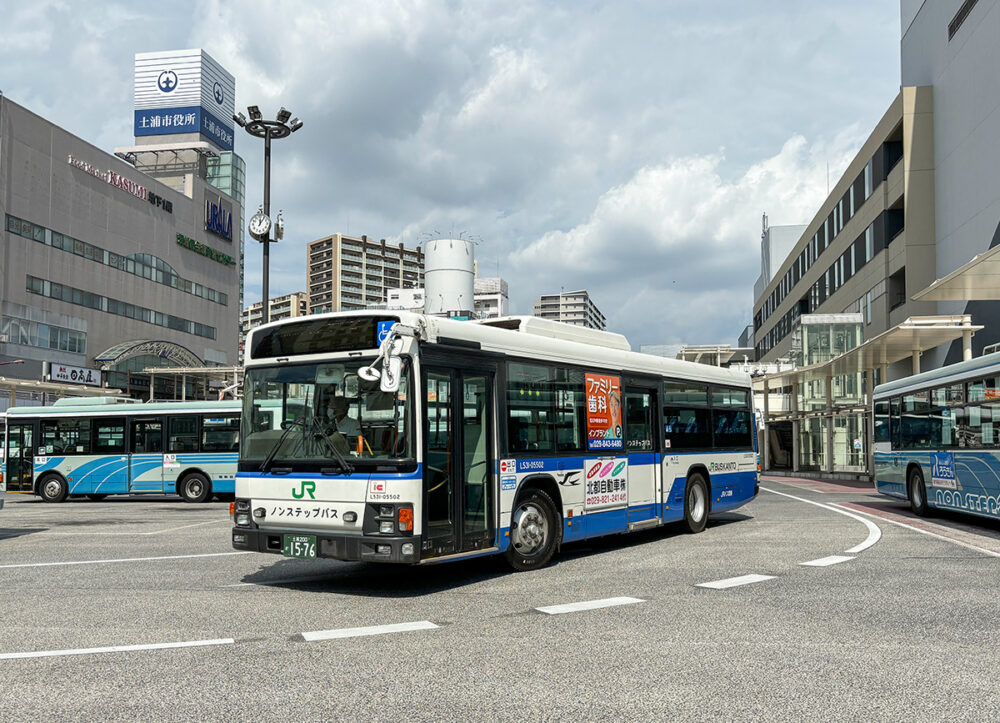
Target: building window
column 44, row 336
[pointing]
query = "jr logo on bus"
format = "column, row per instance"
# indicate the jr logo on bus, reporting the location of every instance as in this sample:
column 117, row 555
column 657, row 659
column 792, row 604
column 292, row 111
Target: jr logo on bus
column 307, row 488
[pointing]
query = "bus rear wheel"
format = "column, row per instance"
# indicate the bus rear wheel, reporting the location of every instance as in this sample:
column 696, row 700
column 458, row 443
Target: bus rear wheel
column 195, row 487
column 53, row 488
column 696, row 503
column 535, row 531
column 917, row 492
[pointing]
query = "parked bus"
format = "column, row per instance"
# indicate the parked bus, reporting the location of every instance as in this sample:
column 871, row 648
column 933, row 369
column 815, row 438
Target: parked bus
column 99, row 447
column 414, row 439
column 937, row 438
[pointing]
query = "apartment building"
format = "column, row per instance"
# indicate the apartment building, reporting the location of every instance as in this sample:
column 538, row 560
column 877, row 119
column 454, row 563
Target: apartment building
column 281, row 307
column 571, row 307
column 347, row 273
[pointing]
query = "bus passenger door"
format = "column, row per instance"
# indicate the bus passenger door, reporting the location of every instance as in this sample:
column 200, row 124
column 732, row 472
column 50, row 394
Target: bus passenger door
column 20, row 448
column 146, row 458
column 459, row 461
column 643, row 468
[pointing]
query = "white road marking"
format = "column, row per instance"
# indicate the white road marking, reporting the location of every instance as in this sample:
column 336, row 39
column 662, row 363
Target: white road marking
column 827, row 561
column 372, row 630
column 874, row 532
column 116, row 649
column 588, row 605
column 735, row 581
column 991, row 553
column 135, row 534
column 123, row 559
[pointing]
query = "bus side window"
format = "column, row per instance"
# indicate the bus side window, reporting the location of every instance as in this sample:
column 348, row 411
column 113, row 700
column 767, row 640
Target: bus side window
column 147, row 436
column 109, row 436
column 182, row 434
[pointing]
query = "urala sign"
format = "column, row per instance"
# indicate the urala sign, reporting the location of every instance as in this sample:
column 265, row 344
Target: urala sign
column 219, row 217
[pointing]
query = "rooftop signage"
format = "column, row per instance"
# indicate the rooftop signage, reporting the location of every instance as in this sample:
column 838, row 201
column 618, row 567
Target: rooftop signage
column 123, row 183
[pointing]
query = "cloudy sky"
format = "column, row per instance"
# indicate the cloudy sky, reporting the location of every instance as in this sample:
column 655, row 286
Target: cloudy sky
column 624, row 147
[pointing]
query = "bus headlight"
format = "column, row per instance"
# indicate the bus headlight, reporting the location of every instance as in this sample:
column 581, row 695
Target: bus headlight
column 386, row 527
column 242, row 505
column 242, row 519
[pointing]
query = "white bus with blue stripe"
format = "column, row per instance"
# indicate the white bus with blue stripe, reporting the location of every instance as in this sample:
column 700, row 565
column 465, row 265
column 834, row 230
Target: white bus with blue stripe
column 937, row 438
column 416, row 439
column 95, row 448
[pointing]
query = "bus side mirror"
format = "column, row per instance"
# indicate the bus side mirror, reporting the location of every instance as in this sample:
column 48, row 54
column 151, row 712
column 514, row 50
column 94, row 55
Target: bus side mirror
column 391, row 371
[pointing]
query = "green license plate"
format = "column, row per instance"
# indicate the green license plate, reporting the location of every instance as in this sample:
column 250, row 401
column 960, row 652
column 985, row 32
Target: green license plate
column 299, row 546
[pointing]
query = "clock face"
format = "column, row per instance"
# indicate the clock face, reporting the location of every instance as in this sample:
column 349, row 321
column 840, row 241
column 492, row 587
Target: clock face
column 260, row 225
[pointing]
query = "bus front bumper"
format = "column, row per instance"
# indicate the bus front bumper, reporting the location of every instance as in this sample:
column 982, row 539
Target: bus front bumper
column 350, row 548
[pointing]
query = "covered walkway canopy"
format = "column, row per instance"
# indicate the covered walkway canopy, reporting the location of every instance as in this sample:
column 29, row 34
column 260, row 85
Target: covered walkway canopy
column 978, row 280
column 909, row 339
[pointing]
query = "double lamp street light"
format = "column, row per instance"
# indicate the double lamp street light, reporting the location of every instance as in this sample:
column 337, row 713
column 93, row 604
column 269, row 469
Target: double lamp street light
column 260, row 224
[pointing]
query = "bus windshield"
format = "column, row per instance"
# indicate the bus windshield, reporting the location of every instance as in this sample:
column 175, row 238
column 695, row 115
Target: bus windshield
column 309, row 416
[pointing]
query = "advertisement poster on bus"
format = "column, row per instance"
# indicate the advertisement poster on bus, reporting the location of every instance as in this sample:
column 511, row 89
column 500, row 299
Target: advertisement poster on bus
column 607, row 483
column 604, row 412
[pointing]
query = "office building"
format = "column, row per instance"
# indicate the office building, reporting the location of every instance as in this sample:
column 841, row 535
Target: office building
column 571, row 307
column 106, row 268
column 346, row 273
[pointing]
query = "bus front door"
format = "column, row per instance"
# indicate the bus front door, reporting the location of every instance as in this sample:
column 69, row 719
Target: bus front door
column 643, row 469
column 20, row 448
column 459, row 461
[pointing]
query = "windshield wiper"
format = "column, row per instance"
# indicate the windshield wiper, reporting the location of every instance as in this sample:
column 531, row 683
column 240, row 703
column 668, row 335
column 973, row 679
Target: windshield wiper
column 345, row 466
column 289, row 425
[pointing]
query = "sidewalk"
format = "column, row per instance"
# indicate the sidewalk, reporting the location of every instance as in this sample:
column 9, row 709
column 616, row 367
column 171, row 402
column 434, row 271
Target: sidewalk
column 825, row 486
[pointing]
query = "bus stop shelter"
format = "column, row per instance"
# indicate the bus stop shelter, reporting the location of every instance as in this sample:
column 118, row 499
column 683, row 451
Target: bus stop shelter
column 908, row 340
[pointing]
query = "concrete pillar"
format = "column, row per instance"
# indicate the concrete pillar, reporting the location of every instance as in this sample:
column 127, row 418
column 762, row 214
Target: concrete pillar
column 828, row 452
column 765, row 451
column 869, row 426
column 184, row 387
column 152, row 381
column 796, row 426
column 967, row 339
column 916, row 361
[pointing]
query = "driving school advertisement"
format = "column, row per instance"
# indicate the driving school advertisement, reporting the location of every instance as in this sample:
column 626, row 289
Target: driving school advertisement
column 604, row 412
column 607, row 482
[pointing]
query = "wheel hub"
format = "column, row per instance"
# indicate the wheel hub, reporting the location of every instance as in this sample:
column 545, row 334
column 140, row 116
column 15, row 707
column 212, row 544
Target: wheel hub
column 696, row 503
column 528, row 530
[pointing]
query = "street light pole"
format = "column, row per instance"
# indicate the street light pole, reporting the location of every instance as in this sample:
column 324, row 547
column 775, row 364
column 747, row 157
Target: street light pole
column 260, row 224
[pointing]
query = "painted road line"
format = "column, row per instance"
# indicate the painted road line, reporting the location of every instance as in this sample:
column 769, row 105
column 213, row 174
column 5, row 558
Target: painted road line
column 874, row 532
column 372, row 630
column 827, row 561
column 735, row 581
column 116, row 649
column 960, row 543
column 123, row 559
column 576, row 607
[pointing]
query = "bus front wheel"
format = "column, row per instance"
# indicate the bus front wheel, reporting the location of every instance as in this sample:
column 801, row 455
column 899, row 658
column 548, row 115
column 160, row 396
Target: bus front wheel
column 918, row 493
column 535, row 531
column 53, row 488
column 696, row 503
column 195, row 487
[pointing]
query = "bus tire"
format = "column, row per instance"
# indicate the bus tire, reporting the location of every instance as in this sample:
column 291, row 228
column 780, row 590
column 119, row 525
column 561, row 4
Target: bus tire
column 917, row 492
column 96, row 498
column 535, row 531
column 195, row 487
column 695, row 503
column 53, row 488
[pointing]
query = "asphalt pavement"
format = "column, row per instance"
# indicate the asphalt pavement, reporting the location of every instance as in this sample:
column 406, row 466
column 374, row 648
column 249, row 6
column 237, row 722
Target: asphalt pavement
column 140, row 609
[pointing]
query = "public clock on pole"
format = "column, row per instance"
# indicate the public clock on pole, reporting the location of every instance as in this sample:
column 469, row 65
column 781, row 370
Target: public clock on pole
column 260, row 225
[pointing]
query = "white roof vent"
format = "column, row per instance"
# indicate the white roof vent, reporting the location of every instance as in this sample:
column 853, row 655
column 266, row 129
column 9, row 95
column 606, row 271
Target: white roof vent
column 560, row 330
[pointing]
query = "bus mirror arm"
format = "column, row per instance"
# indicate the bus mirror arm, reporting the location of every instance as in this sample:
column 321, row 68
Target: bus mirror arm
column 388, row 352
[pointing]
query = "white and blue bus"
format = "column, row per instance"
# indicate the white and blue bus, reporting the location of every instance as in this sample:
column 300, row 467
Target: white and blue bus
column 937, row 438
column 414, row 439
column 99, row 447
